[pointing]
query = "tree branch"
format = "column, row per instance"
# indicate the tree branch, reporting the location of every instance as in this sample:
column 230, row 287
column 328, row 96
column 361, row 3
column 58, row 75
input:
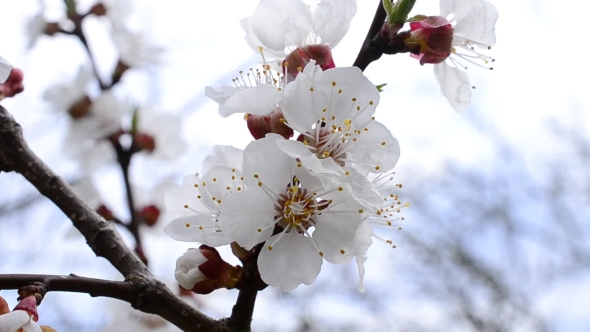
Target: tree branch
column 101, row 236
column 368, row 52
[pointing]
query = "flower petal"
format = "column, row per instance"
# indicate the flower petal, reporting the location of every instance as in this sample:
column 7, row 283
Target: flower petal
column 476, row 20
column 247, row 217
column 220, row 94
column 225, row 155
column 14, row 320
column 31, row 326
column 292, row 261
column 5, row 69
column 255, row 43
column 332, row 18
column 281, row 23
column 208, row 234
column 259, row 100
column 264, row 158
column 454, row 84
column 376, row 149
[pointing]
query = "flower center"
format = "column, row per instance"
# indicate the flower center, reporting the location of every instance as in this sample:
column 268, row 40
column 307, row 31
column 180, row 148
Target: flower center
column 297, row 207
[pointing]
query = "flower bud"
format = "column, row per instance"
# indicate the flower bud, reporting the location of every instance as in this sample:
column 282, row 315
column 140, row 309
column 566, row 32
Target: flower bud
column 299, row 58
column 150, row 215
column 259, row 126
column 144, row 142
column 29, row 304
column 13, row 85
column 81, row 108
column 105, row 212
column 203, row 271
column 430, row 40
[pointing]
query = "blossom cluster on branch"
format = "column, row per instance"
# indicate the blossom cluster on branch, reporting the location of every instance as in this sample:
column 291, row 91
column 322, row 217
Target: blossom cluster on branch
column 316, row 181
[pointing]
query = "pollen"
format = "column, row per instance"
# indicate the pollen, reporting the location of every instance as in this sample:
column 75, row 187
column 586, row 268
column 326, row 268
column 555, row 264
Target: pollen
column 269, row 247
column 340, row 188
column 201, row 228
column 233, row 177
column 199, row 196
column 214, row 179
column 311, row 89
column 204, row 184
column 188, row 225
column 256, row 176
column 196, row 185
column 333, row 83
column 371, row 102
column 260, row 184
column 383, row 143
column 354, row 99
column 321, row 253
column 186, row 206
column 340, row 91
column 239, row 188
column 259, row 230
column 342, row 251
column 361, row 211
column 299, row 165
column 377, row 167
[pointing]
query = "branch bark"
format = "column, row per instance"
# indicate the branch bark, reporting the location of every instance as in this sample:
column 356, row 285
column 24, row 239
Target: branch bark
column 101, row 236
column 368, row 52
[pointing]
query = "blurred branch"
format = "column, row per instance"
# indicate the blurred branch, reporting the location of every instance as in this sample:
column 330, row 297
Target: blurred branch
column 101, row 236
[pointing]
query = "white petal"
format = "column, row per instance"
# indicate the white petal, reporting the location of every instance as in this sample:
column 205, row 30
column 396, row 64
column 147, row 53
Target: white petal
column 332, row 18
column 247, row 217
column 264, row 158
column 475, row 21
column 360, row 263
column 255, row 43
column 5, row 69
column 14, row 320
column 369, row 149
column 336, row 227
column 178, row 230
column 31, row 326
column 296, row 149
column 281, row 23
column 301, row 107
column 185, row 195
column 363, row 190
column 260, row 100
column 224, row 155
column 220, row 94
column 454, row 84
column 292, row 261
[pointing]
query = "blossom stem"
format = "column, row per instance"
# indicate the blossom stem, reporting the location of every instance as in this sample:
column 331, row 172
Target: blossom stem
column 249, row 285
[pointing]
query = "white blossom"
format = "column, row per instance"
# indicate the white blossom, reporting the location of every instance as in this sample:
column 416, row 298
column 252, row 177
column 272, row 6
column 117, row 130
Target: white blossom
column 187, row 271
column 195, row 204
column 312, row 222
column 281, row 26
column 165, row 128
column 473, row 22
column 64, row 94
column 135, row 49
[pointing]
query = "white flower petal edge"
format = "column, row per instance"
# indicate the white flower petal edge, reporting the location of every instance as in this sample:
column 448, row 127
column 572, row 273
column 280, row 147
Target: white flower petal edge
column 225, row 155
column 332, row 18
column 260, row 100
column 291, row 262
column 454, row 84
column 475, row 19
column 14, row 320
column 5, row 68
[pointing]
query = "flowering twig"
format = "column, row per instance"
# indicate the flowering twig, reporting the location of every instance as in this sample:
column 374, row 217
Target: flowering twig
column 101, row 236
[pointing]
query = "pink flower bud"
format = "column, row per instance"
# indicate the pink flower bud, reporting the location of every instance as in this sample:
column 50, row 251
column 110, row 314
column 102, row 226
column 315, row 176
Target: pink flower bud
column 203, row 271
column 431, row 39
column 28, row 304
column 297, row 60
column 259, row 126
column 4, row 309
column 13, row 85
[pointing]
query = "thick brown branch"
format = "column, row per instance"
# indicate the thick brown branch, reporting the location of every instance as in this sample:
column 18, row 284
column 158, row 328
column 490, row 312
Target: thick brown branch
column 101, row 236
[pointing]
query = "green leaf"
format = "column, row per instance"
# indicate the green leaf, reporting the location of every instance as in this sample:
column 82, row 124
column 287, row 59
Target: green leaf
column 400, row 12
column 135, row 121
column 416, row 18
column 380, row 87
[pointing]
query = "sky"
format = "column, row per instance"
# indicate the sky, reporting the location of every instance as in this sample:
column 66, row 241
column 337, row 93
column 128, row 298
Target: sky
column 537, row 80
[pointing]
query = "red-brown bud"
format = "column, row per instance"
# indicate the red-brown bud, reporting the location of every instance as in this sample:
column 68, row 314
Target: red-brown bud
column 431, row 39
column 298, row 59
column 150, row 215
column 259, row 126
column 144, row 142
column 13, row 85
